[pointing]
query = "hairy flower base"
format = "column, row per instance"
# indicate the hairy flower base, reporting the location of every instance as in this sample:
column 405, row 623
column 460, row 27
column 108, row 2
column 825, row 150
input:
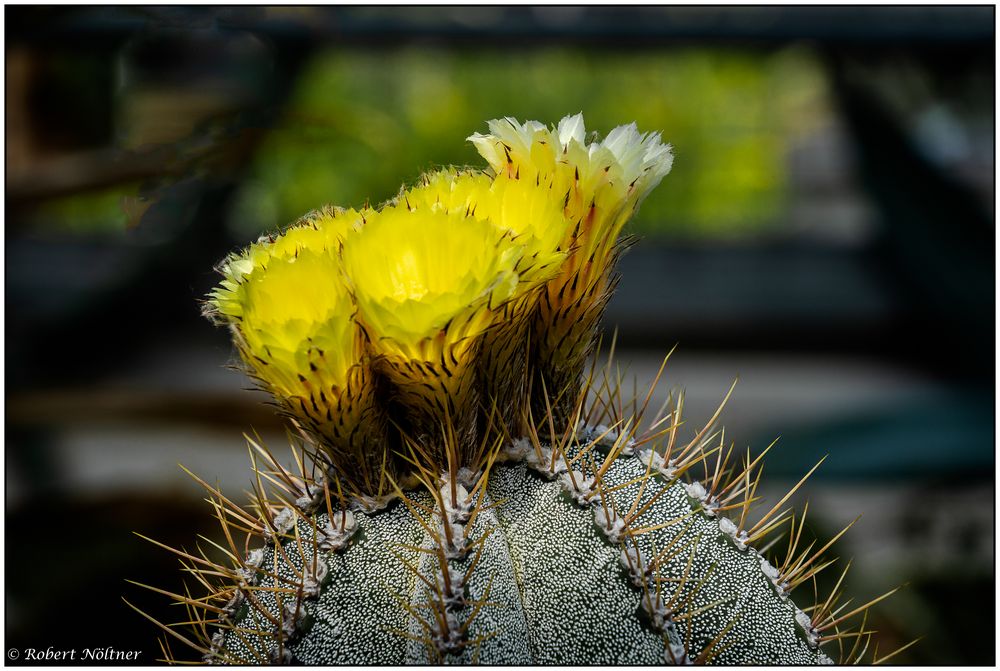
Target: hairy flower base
column 564, row 327
column 434, row 397
column 504, row 366
column 349, row 430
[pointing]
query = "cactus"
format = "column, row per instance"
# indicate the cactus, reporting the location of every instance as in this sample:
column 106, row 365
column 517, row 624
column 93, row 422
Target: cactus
column 469, row 485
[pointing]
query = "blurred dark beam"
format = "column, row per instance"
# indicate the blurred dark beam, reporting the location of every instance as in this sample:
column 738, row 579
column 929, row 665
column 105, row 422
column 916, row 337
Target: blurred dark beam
column 145, row 405
column 81, row 171
column 868, row 27
column 937, row 240
column 779, row 297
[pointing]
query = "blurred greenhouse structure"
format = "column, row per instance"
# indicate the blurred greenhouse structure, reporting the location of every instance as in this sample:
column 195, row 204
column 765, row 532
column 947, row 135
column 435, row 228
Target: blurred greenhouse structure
column 827, row 234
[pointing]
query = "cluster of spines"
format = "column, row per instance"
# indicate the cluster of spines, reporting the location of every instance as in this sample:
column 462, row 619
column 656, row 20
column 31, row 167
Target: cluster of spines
column 246, row 600
column 444, row 619
column 722, row 489
column 244, row 591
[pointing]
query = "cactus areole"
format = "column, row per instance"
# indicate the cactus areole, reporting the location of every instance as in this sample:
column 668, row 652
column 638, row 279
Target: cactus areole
column 469, row 484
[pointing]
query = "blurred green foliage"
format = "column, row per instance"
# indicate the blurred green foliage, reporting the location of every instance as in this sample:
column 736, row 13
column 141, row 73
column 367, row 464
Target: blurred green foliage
column 363, row 121
column 98, row 212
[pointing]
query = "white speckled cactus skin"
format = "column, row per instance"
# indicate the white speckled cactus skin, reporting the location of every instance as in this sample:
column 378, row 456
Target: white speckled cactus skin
column 541, row 579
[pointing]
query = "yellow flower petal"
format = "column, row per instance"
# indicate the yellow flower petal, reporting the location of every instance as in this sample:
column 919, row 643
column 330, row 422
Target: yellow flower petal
column 417, row 272
column 616, row 173
column 291, row 306
column 531, row 212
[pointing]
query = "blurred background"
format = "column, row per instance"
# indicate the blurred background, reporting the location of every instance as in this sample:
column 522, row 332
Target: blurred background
column 827, row 234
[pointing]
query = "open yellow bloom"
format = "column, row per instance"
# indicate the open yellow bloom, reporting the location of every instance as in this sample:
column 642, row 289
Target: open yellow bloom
column 292, row 319
column 287, row 302
column 428, row 284
column 533, row 215
column 599, row 185
column 419, row 272
column 297, row 319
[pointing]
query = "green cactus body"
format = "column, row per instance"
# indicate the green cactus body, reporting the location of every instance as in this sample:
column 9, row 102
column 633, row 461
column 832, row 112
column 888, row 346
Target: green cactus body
column 530, row 572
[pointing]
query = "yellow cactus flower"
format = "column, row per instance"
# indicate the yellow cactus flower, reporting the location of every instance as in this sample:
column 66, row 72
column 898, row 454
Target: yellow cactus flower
column 428, row 304
column 285, row 297
column 534, row 217
column 428, row 284
column 292, row 319
column 600, row 185
column 295, row 309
